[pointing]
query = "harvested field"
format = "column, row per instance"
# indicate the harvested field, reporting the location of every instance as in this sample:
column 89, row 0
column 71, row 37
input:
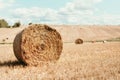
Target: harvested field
column 89, row 61
column 70, row 33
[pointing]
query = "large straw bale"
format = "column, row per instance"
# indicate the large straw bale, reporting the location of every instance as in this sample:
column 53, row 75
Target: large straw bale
column 36, row 44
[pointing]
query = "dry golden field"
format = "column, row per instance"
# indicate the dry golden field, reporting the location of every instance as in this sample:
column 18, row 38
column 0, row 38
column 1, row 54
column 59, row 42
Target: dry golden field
column 70, row 33
column 87, row 61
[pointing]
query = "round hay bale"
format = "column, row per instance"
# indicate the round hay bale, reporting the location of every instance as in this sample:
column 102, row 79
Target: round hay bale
column 6, row 38
column 104, row 41
column 37, row 44
column 3, row 40
column 93, row 41
column 78, row 41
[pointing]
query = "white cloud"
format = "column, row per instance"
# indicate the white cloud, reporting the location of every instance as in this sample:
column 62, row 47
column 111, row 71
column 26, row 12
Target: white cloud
column 6, row 3
column 36, row 14
column 79, row 11
column 110, row 19
column 75, row 12
column 81, row 4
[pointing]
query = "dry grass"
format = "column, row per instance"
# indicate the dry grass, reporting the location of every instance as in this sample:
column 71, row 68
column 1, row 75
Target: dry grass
column 89, row 61
column 38, row 44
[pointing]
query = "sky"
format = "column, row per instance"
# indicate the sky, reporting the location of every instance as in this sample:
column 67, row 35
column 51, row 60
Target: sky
column 85, row 12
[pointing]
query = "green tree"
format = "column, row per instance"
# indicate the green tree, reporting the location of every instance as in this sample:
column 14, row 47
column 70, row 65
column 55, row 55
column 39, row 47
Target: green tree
column 17, row 24
column 29, row 23
column 3, row 24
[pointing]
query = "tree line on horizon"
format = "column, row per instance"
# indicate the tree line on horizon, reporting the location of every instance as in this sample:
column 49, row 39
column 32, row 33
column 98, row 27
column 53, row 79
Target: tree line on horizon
column 4, row 24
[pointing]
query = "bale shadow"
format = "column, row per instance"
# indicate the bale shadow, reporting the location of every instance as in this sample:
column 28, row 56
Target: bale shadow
column 12, row 64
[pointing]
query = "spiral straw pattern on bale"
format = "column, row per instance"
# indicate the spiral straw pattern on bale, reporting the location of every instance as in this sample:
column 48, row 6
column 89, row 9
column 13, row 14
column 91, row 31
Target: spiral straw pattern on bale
column 36, row 44
column 78, row 41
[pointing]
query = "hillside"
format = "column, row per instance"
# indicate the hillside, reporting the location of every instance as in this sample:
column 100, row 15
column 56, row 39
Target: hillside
column 70, row 32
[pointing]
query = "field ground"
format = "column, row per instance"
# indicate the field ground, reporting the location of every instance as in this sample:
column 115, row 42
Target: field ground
column 88, row 61
column 70, row 33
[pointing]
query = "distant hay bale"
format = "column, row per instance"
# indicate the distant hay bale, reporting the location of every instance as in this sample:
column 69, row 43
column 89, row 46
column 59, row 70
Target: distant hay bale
column 3, row 41
column 78, row 41
column 104, row 41
column 6, row 38
column 37, row 44
column 93, row 41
